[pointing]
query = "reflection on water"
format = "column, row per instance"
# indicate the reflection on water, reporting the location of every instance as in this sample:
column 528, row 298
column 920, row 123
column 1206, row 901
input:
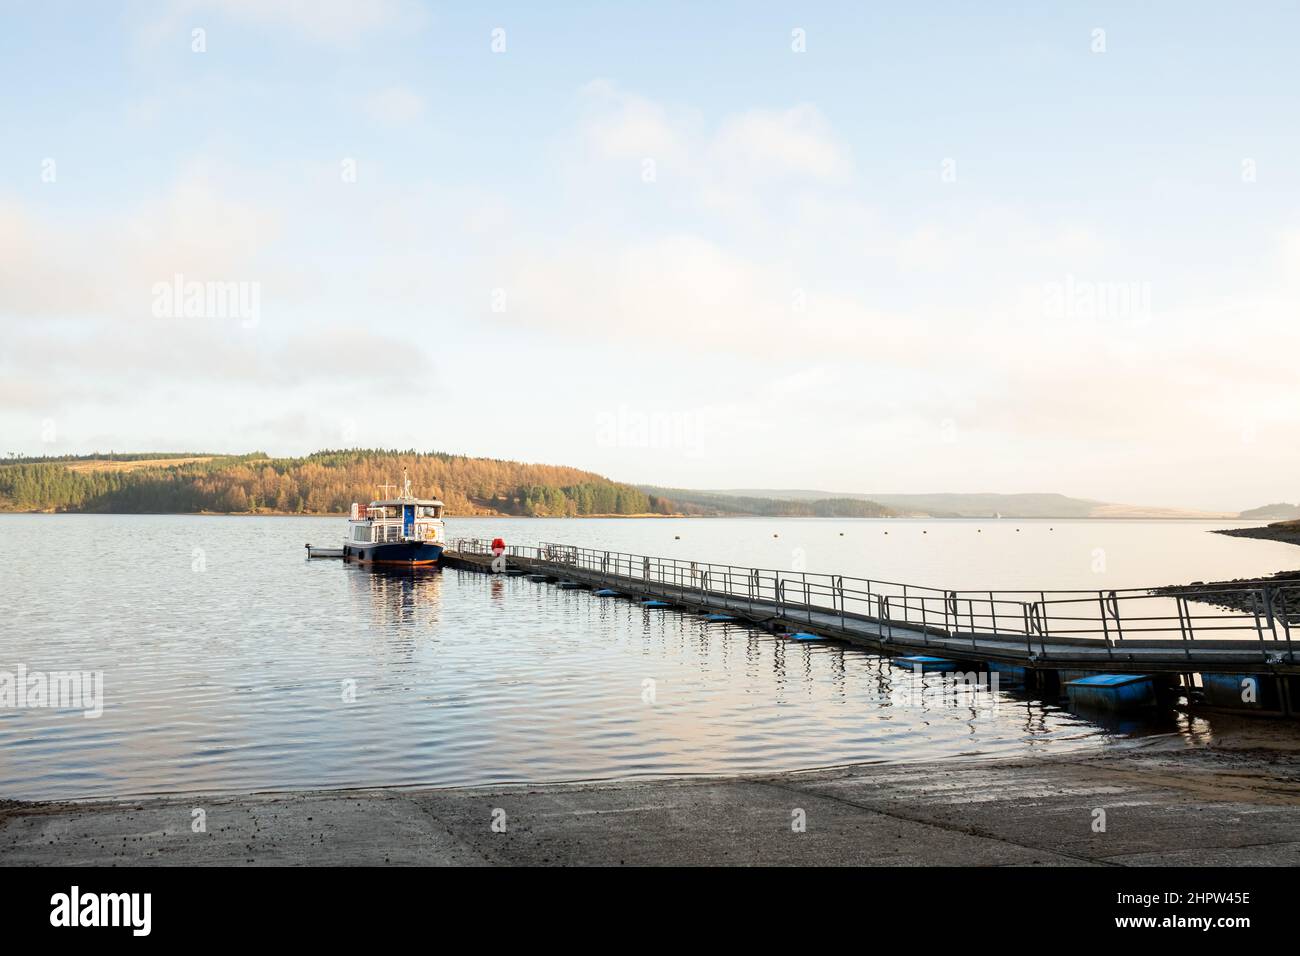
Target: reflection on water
column 392, row 598
column 253, row 669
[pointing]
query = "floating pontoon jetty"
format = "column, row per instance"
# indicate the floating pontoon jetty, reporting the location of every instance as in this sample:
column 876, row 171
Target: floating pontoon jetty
column 1046, row 635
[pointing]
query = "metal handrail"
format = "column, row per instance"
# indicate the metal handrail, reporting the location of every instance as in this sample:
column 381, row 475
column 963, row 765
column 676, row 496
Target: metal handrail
column 1112, row 617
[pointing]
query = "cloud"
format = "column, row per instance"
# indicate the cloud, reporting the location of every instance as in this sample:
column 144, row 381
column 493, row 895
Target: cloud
column 759, row 145
column 930, row 313
column 43, row 270
column 747, row 148
column 696, row 293
column 621, row 125
column 97, row 361
column 395, row 106
column 77, row 304
column 108, row 265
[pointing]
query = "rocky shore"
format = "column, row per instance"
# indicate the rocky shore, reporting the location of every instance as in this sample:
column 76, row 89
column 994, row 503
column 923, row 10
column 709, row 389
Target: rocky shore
column 1288, row 531
column 1237, row 595
column 1228, row 594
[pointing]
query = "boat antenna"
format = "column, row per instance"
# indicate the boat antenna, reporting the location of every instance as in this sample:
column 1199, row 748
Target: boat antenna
column 406, row 485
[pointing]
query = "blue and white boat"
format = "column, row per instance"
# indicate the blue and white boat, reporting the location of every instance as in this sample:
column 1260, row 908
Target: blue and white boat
column 404, row 530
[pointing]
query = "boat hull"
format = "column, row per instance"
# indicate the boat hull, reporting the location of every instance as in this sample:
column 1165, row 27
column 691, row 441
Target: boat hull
column 407, row 553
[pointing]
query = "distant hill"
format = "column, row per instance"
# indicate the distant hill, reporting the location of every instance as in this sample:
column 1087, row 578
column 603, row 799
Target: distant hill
column 327, row 482
column 323, row 483
column 1281, row 510
column 984, row 505
column 951, row 505
column 723, row 503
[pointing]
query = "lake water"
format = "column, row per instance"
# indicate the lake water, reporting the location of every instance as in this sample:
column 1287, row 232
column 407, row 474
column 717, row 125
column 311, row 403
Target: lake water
column 231, row 663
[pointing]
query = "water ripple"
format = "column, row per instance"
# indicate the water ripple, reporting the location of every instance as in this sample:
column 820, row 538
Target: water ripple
column 233, row 664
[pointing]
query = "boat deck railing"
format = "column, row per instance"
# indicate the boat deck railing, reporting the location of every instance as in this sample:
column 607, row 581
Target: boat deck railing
column 1183, row 621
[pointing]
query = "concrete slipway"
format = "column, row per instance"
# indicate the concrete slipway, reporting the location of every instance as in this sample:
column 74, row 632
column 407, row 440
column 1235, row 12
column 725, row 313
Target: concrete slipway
column 1163, row 805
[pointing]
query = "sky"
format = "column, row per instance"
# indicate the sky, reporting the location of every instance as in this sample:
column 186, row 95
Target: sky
column 858, row 247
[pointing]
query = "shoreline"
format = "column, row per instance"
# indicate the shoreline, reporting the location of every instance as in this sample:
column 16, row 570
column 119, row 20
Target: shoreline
column 344, row 515
column 1244, row 532
column 1287, row 531
column 1163, row 804
column 1220, row 593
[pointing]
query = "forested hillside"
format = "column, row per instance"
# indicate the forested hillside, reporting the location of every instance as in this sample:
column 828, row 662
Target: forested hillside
column 324, row 483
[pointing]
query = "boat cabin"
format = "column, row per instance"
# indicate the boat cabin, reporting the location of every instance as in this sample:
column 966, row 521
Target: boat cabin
column 404, row 518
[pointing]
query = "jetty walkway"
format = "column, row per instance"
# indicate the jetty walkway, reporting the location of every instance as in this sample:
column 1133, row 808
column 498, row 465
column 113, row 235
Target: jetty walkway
column 1112, row 631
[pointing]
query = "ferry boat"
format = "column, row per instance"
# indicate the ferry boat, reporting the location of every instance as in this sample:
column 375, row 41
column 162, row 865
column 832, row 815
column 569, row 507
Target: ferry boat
column 404, row 530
